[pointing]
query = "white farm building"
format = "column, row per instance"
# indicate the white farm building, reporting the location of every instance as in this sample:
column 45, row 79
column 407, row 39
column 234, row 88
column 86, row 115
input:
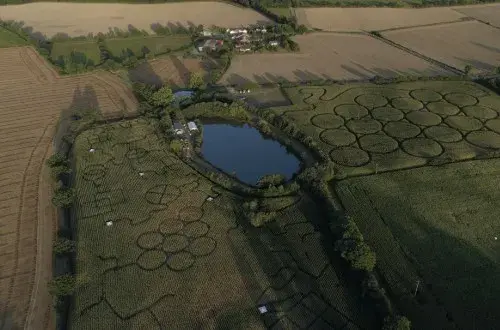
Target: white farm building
column 192, row 126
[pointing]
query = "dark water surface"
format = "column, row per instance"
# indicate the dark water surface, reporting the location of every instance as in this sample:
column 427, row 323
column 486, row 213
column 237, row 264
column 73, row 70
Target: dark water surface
column 244, row 150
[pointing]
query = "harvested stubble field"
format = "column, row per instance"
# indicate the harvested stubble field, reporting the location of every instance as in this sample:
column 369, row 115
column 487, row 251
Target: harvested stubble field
column 367, row 128
column 77, row 19
column 174, row 70
column 32, row 96
column 329, row 56
column 173, row 260
column 487, row 13
column 458, row 44
column 373, row 19
column 439, row 226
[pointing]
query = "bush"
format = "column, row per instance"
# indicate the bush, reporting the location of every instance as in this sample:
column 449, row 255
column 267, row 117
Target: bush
column 271, row 180
column 57, row 159
column 63, row 245
column 63, row 197
column 62, row 286
column 196, row 80
column 176, row 146
column 162, row 97
column 396, row 322
column 58, row 171
column 353, row 248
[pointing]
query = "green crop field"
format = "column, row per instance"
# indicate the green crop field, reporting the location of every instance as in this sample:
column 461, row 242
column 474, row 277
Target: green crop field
column 438, row 226
column 368, row 128
column 63, row 49
column 152, row 44
column 9, row 39
column 174, row 260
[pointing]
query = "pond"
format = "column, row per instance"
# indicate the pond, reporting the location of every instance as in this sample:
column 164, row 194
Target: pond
column 242, row 150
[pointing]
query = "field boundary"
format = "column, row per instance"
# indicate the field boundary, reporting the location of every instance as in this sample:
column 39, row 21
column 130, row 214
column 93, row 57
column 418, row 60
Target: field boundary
column 465, row 19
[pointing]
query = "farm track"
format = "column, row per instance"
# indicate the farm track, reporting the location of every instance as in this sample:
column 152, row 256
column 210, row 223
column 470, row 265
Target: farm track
column 30, row 105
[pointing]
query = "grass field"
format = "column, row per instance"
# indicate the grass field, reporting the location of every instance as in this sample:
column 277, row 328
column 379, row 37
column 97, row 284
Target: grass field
column 149, row 44
column 281, row 11
column 173, row 260
column 439, row 226
column 9, row 39
column 89, row 48
column 369, row 128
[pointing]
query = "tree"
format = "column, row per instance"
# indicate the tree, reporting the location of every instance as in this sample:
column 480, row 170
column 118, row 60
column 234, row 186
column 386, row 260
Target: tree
column 63, row 197
column 196, row 80
column 396, row 322
column 353, row 248
column 57, row 159
column 162, row 97
column 63, row 285
column 467, row 69
column 176, row 146
column 63, row 245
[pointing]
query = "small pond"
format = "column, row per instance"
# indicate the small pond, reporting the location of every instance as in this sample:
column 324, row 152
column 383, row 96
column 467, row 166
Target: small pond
column 242, row 150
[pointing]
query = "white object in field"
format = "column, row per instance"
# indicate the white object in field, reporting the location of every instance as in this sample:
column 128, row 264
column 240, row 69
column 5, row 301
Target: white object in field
column 210, row 199
column 141, row 173
column 496, row 238
column 92, row 150
column 109, row 223
column 263, row 309
column 248, row 91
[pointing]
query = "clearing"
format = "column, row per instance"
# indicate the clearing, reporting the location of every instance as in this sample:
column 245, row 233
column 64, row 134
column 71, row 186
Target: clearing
column 32, row 96
column 327, row 56
column 367, row 128
column 373, row 19
column 438, row 226
column 188, row 262
column 458, row 44
column 76, row 19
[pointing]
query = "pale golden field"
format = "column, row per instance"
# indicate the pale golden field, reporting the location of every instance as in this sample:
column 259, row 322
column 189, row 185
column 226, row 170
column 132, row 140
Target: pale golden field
column 459, row 44
column 373, row 19
column 77, row 19
column 329, row 56
column 488, row 13
column 32, row 97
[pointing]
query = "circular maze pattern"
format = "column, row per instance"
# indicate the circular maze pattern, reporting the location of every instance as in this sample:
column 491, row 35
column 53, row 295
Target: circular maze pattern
column 443, row 108
column 349, row 156
column 136, row 153
column 175, row 243
column 371, row 100
column 364, row 126
column 180, row 261
column 484, row 139
column 170, row 226
column 190, row 213
column 480, row 112
column 406, row 103
column 494, row 125
column 401, row 129
column 202, row 246
column 461, row 99
column 464, row 123
column 443, row 134
column 425, row 95
column 162, row 194
column 327, row 120
column 422, row 147
column 337, row 137
column 350, row 111
column 378, row 143
column 150, row 240
column 195, row 229
column 94, row 172
column 387, row 114
column 151, row 259
column 423, row 118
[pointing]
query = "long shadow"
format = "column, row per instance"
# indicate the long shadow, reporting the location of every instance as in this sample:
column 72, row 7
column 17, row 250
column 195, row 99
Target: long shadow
column 487, row 47
column 182, row 71
column 478, row 64
column 6, row 319
column 144, row 73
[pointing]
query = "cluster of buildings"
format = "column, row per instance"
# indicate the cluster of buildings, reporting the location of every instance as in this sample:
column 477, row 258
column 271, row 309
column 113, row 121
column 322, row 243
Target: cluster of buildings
column 179, row 128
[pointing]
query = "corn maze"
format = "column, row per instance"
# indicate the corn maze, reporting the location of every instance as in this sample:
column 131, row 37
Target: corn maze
column 154, row 252
column 369, row 128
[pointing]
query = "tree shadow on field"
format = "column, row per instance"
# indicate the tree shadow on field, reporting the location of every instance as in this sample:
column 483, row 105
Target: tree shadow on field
column 144, row 73
column 477, row 64
column 7, row 321
column 182, row 71
column 459, row 283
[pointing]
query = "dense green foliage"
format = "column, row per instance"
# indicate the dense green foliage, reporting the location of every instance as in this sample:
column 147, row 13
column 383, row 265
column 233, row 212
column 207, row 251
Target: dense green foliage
column 271, row 180
column 63, row 285
column 217, row 109
column 396, row 322
column 59, row 165
column 196, row 80
column 63, row 197
column 63, row 246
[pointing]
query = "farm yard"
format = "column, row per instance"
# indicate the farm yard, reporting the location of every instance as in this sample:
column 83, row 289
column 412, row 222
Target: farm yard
column 440, row 226
column 76, row 19
column 32, row 97
column 373, row 19
column 327, row 56
column 168, row 244
column 367, row 128
column 458, row 44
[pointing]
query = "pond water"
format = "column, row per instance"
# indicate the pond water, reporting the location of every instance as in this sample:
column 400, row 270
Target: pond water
column 242, row 150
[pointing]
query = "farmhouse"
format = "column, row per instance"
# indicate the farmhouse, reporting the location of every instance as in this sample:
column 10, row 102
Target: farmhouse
column 192, row 126
column 178, row 128
column 273, row 43
column 210, row 44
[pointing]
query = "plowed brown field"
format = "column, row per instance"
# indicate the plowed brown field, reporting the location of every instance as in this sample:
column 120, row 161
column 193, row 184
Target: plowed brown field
column 488, row 13
column 32, row 96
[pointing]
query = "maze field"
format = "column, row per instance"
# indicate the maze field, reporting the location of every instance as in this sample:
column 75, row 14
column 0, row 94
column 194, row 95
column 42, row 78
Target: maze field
column 76, row 19
column 373, row 19
column 439, row 226
column 329, row 56
column 174, row 260
column 368, row 128
column 32, row 96
column 458, row 44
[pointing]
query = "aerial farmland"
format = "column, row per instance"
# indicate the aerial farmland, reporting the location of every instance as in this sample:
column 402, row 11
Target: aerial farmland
column 249, row 165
